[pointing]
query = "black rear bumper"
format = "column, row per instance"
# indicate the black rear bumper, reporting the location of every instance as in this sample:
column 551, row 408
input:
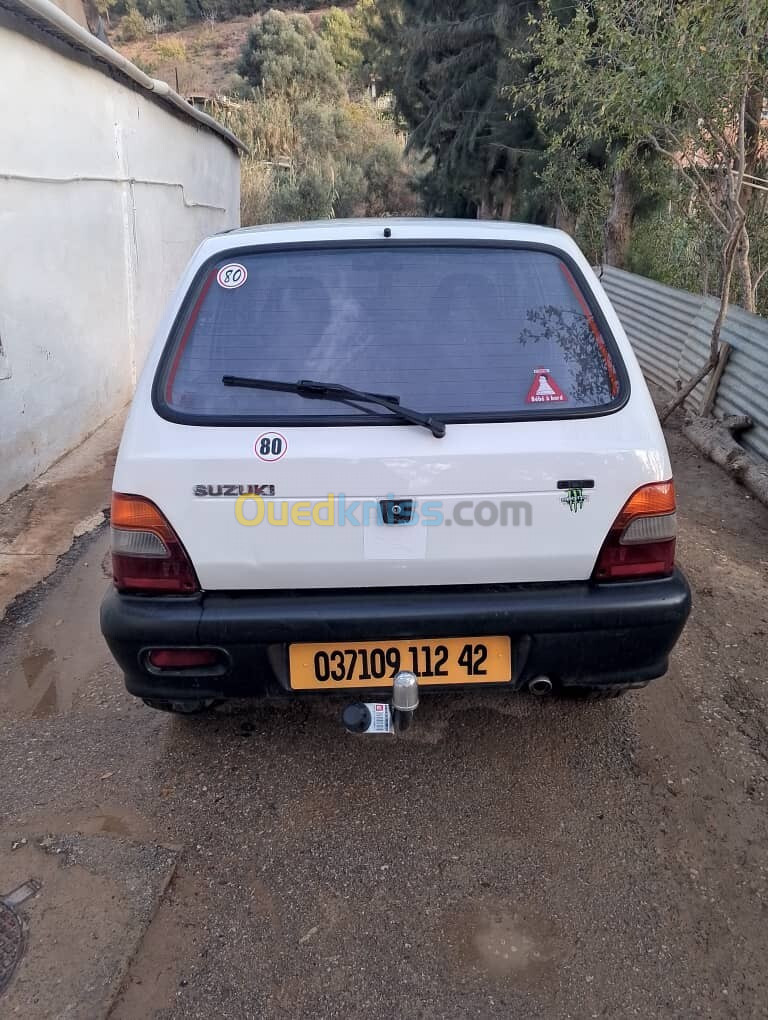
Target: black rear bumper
column 576, row 633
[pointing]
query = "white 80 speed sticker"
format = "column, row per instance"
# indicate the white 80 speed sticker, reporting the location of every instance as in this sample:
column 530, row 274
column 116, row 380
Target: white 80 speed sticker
column 231, row 276
column 270, row 446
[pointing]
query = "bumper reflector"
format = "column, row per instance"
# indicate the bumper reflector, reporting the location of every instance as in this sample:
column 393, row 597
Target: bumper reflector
column 182, row 658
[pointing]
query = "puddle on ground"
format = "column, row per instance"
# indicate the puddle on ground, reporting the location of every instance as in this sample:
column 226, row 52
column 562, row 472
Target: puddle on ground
column 114, row 825
column 107, row 818
column 46, row 661
column 34, row 663
column 48, row 704
column 503, row 945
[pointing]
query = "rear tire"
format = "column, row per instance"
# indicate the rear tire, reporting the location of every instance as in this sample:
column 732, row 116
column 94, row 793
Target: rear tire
column 182, row 707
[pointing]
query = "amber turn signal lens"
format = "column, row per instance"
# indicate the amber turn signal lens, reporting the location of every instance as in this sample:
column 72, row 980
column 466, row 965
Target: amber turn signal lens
column 136, row 512
column 648, row 501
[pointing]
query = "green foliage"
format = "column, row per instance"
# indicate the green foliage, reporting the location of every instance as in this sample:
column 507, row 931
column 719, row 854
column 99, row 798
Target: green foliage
column 147, row 66
column 673, row 248
column 283, row 54
column 133, row 26
column 576, row 187
column 172, row 50
column 198, row 10
column 671, row 241
column 313, row 159
column 659, row 75
column 103, row 7
column 655, row 72
column 172, row 12
column 685, row 81
column 445, row 64
column 306, row 196
column 230, row 8
column 344, row 36
column 757, row 225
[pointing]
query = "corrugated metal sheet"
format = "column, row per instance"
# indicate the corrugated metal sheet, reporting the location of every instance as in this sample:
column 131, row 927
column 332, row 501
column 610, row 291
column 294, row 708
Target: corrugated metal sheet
column 670, row 329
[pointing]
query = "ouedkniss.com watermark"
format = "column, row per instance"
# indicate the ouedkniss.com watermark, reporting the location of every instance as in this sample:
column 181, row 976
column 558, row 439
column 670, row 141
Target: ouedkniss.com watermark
column 253, row 511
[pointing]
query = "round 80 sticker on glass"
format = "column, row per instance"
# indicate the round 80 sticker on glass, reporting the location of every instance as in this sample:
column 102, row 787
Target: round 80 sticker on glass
column 232, row 276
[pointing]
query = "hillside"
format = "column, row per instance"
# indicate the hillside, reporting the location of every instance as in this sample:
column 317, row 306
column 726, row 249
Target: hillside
column 318, row 144
column 200, row 59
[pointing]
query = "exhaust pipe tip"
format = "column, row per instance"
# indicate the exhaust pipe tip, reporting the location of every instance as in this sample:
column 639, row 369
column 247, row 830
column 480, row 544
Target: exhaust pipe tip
column 540, row 686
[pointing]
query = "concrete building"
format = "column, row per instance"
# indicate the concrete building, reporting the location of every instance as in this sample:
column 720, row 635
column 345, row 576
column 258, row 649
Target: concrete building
column 108, row 181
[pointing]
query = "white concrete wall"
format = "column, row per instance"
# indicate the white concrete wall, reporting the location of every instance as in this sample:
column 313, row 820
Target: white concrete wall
column 104, row 194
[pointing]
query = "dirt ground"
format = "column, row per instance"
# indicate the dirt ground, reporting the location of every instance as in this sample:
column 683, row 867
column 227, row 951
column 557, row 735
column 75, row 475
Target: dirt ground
column 508, row 858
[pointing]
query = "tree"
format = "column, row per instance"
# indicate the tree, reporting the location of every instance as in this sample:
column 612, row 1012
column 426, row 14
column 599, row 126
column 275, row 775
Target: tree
column 283, row 53
column 103, row 7
column 134, row 25
column 680, row 77
column 344, row 36
column 167, row 12
column 445, row 64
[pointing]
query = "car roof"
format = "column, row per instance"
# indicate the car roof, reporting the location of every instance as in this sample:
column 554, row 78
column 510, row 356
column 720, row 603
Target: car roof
column 410, row 228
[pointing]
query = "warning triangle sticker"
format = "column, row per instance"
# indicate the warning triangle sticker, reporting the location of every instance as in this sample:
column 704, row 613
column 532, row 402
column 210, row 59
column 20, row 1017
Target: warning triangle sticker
column 544, row 389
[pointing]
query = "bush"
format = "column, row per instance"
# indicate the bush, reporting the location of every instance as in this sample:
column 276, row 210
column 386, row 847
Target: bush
column 316, row 160
column 256, row 190
column 171, row 50
column 133, row 26
column 283, row 54
column 231, row 8
column 313, row 151
column 147, row 66
column 156, row 24
column 344, row 39
column 673, row 248
column 308, row 195
column 388, row 181
column 172, row 12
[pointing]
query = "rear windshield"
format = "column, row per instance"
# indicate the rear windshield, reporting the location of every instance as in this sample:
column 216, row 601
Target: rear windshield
column 463, row 332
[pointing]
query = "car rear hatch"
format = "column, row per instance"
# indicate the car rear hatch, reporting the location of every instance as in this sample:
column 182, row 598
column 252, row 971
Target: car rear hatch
column 505, row 344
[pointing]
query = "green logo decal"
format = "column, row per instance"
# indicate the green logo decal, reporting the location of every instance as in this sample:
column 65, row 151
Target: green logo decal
column 575, row 500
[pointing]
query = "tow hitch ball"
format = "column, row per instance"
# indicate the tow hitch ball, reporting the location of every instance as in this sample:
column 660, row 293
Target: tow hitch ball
column 380, row 717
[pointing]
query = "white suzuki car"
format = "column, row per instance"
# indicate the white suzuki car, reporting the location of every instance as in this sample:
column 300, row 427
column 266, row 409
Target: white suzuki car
column 412, row 449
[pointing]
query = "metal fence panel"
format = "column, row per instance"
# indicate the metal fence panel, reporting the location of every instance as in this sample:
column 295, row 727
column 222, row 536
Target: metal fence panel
column 744, row 386
column 669, row 330
column 696, row 349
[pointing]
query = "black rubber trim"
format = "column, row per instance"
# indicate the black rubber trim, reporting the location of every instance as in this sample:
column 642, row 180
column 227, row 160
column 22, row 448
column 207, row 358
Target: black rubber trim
column 363, row 421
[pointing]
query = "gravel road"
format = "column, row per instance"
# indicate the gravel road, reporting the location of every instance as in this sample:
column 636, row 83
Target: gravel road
column 508, row 858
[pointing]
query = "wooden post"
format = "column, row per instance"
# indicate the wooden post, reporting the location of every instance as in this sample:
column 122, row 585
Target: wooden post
column 708, row 400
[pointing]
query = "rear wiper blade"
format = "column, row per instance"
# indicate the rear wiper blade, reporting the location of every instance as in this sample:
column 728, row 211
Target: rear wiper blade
column 343, row 394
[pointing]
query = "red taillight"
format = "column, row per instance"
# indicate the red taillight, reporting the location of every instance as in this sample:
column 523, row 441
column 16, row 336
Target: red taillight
column 641, row 542
column 182, row 658
column 147, row 555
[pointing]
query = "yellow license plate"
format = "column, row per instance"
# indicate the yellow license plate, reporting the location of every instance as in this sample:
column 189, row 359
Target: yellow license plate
column 468, row 660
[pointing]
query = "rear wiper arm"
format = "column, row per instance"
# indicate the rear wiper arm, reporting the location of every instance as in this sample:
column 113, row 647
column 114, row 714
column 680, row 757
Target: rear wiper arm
column 342, row 394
